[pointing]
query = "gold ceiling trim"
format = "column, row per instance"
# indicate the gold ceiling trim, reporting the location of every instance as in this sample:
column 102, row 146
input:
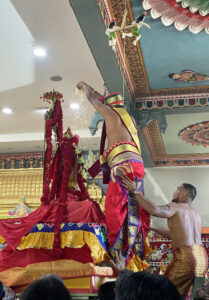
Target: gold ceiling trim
column 154, row 140
column 180, row 91
column 134, row 58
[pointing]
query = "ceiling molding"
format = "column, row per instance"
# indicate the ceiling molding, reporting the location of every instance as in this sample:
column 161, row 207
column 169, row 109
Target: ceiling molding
column 166, row 103
column 154, row 140
column 132, row 63
column 181, row 91
column 173, row 97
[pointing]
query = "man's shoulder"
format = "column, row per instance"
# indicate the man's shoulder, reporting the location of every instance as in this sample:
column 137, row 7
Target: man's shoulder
column 175, row 207
column 173, row 204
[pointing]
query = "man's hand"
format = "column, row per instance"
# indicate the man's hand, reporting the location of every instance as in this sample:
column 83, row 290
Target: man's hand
column 119, row 263
column 85, row 88
column 90, row 93
column 128, row 184
column 80, row 85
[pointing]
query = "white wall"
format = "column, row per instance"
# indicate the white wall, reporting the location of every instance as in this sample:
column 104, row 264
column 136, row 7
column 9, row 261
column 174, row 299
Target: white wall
column 160, row 183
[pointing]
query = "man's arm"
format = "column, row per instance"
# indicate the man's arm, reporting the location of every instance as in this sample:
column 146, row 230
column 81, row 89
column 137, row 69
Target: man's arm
column 93, row 97
column 164, row 211
column 162, row 231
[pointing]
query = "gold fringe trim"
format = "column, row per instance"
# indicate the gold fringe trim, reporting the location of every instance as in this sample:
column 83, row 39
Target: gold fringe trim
column 71, row 239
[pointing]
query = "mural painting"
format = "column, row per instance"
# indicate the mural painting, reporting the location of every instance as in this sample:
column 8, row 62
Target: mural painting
column 188, row 76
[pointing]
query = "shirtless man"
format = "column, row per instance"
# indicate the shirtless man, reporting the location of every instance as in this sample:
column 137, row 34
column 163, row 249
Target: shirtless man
column 123, row 156
column 190, row 261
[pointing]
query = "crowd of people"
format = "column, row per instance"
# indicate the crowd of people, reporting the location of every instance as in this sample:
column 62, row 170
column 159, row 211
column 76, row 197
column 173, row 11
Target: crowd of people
column 129, row 285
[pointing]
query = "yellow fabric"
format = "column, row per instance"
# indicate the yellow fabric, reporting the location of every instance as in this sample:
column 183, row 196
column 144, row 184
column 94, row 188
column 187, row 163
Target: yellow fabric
column 78, row 283
column 102, row 160
column 2, row 240
column 71, row 239
column 129, row 125
column 112, row 99
column 119, row 150
column 136, row 264
column 147, row 249
column 37, row 240
column 81, row 283
column 64, row 268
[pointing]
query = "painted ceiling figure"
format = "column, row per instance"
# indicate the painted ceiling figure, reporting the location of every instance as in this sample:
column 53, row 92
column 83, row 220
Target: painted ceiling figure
column 188, row 76
column 127, row 222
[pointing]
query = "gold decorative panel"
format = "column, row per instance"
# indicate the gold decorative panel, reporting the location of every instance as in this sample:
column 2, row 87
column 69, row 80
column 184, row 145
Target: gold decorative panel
column 28, row 183
column 15, row 183
column 95, row 193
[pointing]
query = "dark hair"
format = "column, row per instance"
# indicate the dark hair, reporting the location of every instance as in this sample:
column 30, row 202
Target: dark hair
column 171, row 75
column 2, row 291
column 107, row 291
column 148, row 286
column 46, row 288
column 190, row 189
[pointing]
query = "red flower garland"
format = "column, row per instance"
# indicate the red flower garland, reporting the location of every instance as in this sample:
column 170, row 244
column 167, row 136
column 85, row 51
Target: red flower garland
column 56, row 119
column 58, row 171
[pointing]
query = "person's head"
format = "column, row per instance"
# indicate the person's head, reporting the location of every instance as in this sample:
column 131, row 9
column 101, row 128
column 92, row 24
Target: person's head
column 114, row 100
column 49, row 287
column 203, row 292
column 2, row 291
column 148, row 286
column 174, row 76
column 185, row 193
column 107, row 291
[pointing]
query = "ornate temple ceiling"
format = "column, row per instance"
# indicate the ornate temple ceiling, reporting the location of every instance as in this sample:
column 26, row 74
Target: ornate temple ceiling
column 166, row 74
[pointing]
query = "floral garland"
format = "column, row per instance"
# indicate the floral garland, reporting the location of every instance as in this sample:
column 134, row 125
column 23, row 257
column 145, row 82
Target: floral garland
column 57, row 173
column 55, row 120
column 68, row 162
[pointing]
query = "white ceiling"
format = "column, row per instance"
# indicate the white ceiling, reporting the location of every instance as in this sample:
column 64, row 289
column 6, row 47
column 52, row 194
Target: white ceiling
column 24, row 77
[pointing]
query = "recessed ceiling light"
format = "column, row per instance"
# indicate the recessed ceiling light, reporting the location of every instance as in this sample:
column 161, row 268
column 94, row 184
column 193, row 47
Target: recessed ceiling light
column 41, row 52
column 42, row 110
column 56, row 78
column 74, row 105
column 7, row 110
